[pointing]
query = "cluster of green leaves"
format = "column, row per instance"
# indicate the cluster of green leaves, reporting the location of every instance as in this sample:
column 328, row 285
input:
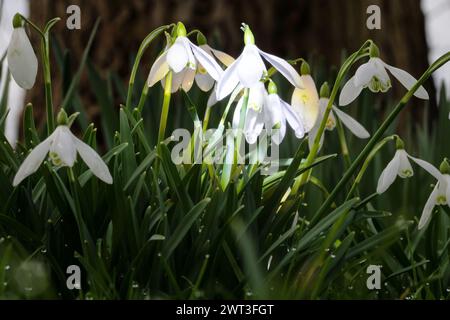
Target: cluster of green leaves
column 174, row 231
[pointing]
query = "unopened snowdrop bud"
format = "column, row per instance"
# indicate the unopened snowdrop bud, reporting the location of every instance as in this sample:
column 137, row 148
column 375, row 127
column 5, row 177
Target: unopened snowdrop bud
column 22, row 61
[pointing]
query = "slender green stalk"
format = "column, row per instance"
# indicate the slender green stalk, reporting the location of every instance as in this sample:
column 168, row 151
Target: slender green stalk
column 206, row 118
column 241, row 125
column 144, row 45
column 165, row 107
column 45, row 56
column 142, row 99
column 377, row 136
column 343, row 143
column 315, row 148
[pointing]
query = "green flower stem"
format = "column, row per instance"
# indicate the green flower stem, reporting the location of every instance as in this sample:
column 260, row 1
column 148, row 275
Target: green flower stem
column 206, row 118
column 142, row 99
column 144, row 45
column 366, row 164
column 343, row 143
column 377, row 136
column 45, row 56
column 315, row 148
column 241, row 124
column 165, row 107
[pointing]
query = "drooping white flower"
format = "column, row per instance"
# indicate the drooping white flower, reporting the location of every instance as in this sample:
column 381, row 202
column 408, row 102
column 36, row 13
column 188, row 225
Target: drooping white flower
column 62, row 147
column 248, row 69
column 183, row 58
column 203, row 79
column 22, row 61
column 269, row 111
column 441, row 192
column 354, row 126
column 398, row 166
column 373, row 75
column 305, row 102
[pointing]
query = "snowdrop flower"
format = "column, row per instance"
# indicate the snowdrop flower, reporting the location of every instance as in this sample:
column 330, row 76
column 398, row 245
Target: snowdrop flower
column 441, row 193
column 182, row 58
column 354, row 126
column 202, row 78
column 373, row 75
column 62, row 147
column 267, row 110
column 248, row 69
column 22, row 60
column 305, row 101
column 400, row 166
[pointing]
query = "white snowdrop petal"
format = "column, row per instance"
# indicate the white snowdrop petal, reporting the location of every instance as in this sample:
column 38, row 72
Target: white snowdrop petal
column 158, row 70
column 254, row 123
column 188, row 79
column 305, row 102
column 33, row 161
column 212, row 100
column 294, row 120
column 408, row 81
column 93, row 161
column 388, row 175
column 349, row 92
column 251, row 67
column 354, row 126
column 428, row 167
column 177, row 56
column 207, row 61
column 237, row 114
column 381, row 72
column 228, row 81
column 22, row 61
column 274, row 117
column 223, row 57
column 63, row 145
column 204, row 81
column 365, row 73
column 428, row 208
column 284, row 68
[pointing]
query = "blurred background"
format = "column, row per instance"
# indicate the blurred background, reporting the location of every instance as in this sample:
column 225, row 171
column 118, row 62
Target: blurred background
column 413, row 32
